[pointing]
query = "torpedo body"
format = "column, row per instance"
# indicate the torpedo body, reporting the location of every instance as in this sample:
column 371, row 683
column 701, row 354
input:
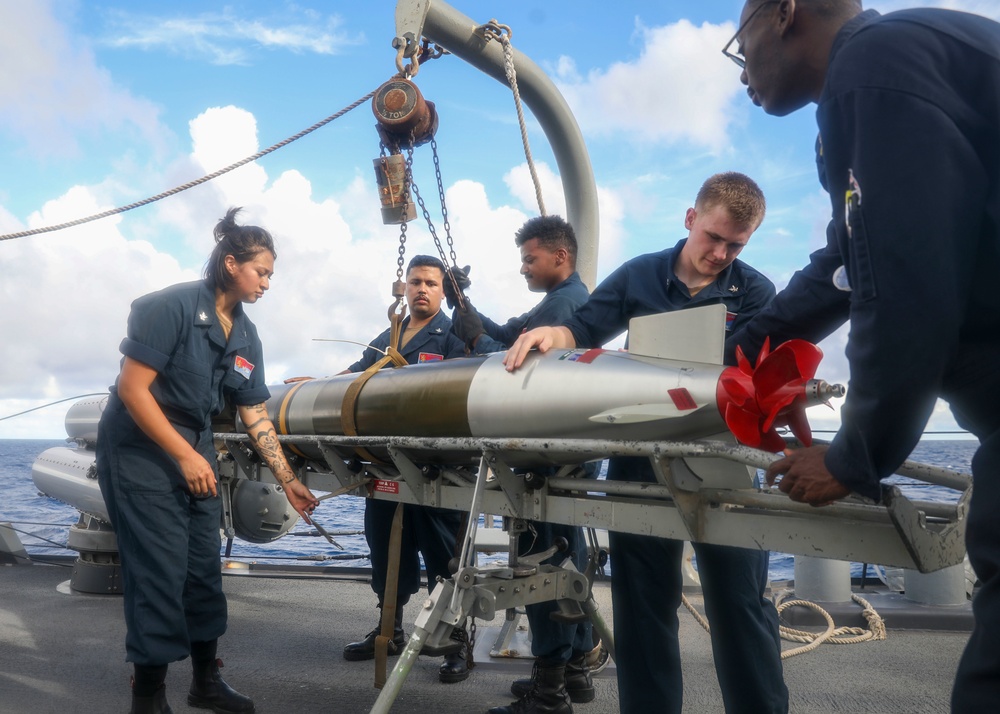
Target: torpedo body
column 578, row 394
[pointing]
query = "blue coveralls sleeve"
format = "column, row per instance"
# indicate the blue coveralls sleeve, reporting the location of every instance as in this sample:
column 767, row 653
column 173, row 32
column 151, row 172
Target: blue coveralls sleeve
column 487, row 344
column 605, row 315
column 499, row 337
column 554, row 309
column 910, row 254
column 154, row 327
column 810, row 307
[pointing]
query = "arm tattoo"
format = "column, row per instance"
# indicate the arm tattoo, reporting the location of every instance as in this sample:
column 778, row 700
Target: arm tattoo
column 266, row 442
column 256, row 423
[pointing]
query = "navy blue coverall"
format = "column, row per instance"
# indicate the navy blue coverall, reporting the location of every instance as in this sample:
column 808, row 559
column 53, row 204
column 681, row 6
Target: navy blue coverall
column 429, row 531
column 169, row 539
column 909, row 121
column 646, row 578
column 550, row 640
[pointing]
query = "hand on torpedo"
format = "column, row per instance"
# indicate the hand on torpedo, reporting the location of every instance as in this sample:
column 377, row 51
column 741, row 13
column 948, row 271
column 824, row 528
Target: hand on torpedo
column 806, row 478
column 461, row 276
column 544, row 338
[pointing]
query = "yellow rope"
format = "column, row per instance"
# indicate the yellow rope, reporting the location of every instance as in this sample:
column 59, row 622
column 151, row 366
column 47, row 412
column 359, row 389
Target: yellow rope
column 504, row 33
column 833, row 635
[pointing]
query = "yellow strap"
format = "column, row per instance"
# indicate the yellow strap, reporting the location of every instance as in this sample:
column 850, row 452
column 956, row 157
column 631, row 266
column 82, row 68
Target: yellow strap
column 348, row 407
column 389, row 599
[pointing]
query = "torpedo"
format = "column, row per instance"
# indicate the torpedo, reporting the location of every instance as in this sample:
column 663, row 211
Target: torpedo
column 567, row 394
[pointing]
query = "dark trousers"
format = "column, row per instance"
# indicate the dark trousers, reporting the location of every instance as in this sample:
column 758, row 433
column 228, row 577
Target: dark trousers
column 646, row 585
column 977, row 683
column 168, row 541
column 427, row 531
column 550, row 639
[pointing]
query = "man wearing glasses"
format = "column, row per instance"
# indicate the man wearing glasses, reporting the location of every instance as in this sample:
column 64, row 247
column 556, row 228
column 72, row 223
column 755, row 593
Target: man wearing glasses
column 908, row 107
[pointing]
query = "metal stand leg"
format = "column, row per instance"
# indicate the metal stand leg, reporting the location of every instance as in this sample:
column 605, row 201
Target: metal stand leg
column 399, row 673
column 434, row 619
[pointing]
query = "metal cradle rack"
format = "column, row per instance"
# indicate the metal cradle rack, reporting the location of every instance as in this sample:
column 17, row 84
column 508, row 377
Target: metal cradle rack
column 704, row 492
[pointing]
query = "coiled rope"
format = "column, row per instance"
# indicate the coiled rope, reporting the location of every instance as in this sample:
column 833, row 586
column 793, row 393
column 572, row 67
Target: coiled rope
column 833, row 635
column 196, row 182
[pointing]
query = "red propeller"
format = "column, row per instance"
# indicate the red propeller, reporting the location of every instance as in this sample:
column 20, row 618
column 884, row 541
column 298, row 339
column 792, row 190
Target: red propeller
column 754, row 400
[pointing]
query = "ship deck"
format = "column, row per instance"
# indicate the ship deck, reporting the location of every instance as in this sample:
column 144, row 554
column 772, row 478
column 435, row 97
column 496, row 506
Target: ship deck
column 63, row 651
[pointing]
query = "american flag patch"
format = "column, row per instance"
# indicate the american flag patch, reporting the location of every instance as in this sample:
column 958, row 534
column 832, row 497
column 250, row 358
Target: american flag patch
column 730, row 319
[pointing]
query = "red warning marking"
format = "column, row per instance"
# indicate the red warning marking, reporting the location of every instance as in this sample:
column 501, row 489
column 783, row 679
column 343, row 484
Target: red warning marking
column 384, row 486
column 682, row 398
column 589, row 356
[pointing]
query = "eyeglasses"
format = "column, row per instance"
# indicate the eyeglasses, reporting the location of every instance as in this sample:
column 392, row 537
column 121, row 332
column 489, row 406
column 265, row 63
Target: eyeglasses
column 737, row 56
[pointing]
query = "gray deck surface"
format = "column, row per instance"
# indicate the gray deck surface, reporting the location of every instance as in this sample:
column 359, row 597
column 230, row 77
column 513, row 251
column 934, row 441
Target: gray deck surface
column 62, row 652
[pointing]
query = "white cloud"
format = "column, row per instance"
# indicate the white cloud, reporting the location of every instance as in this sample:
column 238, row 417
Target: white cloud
column 227, row 39
column 986, row 8
column 680, row 88
column 52, row 88
column 66, row 296
column 336, row 264
column 611, row 208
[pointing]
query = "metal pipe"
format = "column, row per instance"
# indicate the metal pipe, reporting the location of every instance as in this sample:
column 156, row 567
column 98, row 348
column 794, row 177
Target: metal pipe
column 439, row 22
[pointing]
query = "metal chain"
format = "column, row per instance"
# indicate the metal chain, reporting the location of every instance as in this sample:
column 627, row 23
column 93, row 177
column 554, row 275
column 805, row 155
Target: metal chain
column 427, row 216
column 407, row 182
column 197, row 182
column 444, row 208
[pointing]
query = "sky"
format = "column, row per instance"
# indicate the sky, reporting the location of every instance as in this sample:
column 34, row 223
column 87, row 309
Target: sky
column 103, row 104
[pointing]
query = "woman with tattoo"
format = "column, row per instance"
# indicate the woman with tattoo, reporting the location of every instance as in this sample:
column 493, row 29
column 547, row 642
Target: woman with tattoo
column 188, row 349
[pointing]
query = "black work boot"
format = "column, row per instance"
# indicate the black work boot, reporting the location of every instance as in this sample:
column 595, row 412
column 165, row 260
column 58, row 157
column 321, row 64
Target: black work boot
column 365, row 648
column 456, row 665
column 156, row 704
column 579, row 684
column 149, row 693
column 209, row 690
column 547, row 696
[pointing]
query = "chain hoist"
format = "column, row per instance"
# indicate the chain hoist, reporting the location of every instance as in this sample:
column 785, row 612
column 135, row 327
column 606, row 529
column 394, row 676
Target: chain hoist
column 406, row 120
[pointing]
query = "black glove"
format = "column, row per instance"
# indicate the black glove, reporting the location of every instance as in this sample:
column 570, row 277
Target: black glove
column 467, row 325
column 462, row 278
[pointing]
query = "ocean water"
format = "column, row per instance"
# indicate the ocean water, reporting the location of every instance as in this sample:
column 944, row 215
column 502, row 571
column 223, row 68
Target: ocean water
column 42, row 522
